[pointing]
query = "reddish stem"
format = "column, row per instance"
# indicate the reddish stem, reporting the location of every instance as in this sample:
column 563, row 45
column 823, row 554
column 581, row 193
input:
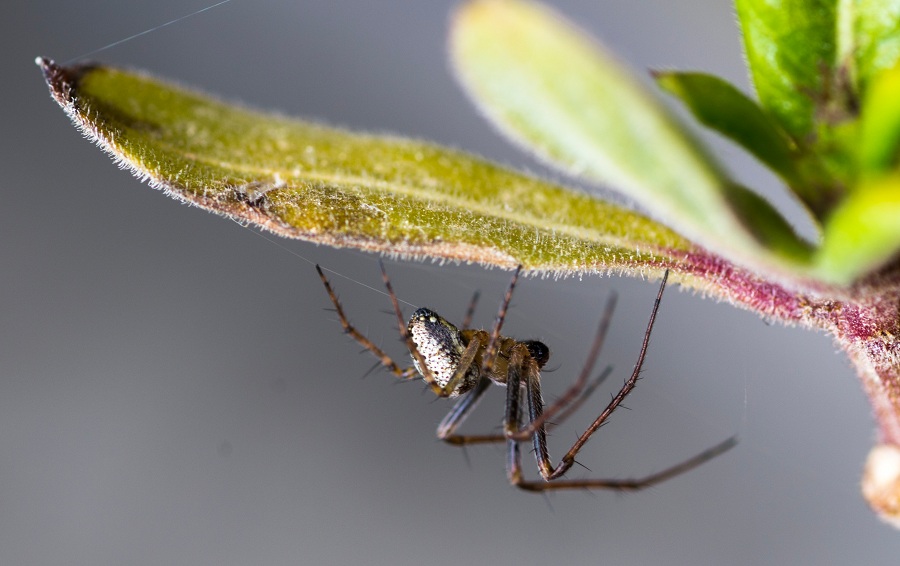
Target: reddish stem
column 864, row 320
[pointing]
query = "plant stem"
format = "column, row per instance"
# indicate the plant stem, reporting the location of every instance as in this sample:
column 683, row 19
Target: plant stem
column 865, row 322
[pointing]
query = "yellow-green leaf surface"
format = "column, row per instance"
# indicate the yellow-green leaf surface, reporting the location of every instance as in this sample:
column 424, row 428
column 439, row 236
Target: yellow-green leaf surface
column 553, row 89
column 864, row 231
column 790, row 47
column 879, row 145
column 308, row 181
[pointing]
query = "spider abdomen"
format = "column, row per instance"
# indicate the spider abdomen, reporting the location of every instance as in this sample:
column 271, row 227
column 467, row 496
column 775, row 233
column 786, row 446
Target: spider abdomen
column 441, row 346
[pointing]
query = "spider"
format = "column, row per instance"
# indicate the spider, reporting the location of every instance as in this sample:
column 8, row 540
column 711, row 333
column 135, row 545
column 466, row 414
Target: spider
column 463, row 363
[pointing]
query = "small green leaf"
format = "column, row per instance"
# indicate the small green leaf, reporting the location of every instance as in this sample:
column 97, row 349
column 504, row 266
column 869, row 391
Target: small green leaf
column 388, row 194
column 554, row 90
column 863, row 232
column 718, row 105
column 879, row 145
column 769, row 227
column 790, row 47
column 869, row 38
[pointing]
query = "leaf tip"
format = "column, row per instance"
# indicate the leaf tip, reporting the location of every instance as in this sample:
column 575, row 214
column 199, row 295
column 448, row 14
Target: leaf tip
column 62, row 80
column 53, row 73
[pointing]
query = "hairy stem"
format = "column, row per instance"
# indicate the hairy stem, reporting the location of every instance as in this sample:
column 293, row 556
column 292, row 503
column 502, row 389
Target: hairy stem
column 865, row 322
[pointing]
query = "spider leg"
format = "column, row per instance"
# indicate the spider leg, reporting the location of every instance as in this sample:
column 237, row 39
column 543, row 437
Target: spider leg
column 573, row 398
column 493, row 344
column 386, row 361
column 576, row 404
column 521, row 364
column 631, row 484
column 464, row 406
column 459, row 413
column 569, row 458
column 470, row 312
column 465, row 362
column 573, row 394
column 513, row 417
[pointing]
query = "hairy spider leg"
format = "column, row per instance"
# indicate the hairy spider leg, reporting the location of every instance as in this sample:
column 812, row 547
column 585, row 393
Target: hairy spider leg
column 522, row 366
column 410, row 372
column 460, row 412
column 470, row 312
column 514, row 457
column 574, row 392
column 533, row 385
column 494, row 342
column 386, row 361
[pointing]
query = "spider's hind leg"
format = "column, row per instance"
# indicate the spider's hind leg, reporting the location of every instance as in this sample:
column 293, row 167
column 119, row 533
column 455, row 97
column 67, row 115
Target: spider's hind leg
column 524, row 368
column 577, row 393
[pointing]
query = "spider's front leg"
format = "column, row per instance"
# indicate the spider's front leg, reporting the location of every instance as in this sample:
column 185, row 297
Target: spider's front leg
column 448, row 385
column 386, row 361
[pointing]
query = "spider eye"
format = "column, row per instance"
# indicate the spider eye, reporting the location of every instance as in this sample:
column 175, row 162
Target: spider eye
column 426, row 326
column 539, row 351
column 425, row 318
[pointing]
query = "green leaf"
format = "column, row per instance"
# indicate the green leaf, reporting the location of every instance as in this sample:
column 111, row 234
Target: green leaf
column 769, row 227
column 879, row 145
column 718, row 105
column 869, row 37
column 790, row 47
column 388, row 194
column 863, row 233
column 554, row 90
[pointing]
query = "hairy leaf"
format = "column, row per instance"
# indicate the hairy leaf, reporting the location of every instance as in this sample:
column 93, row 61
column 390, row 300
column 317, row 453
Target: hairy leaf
column 554, row 90
column 308, row 181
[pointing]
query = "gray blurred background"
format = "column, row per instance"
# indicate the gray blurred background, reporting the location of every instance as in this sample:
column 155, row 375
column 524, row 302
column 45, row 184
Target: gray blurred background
column 172, row 391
